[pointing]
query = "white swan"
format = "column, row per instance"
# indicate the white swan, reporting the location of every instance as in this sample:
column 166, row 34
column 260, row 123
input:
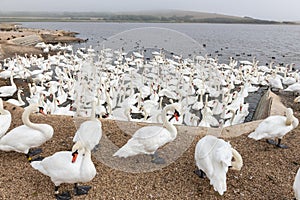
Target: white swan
column 213, row 157
column 8, row 91
column 5, row 119
column 26, row 136
column 296, row 185
column 68, row 167
column 18, row 102
column 148, row 139
column 275, row 127
column 89, row 132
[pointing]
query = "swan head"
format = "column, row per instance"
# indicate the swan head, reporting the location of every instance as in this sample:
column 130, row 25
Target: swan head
column 75, row 150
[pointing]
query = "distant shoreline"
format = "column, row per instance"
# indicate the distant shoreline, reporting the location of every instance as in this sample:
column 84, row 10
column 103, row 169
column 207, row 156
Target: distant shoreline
column 209, row 21
column 167, row 16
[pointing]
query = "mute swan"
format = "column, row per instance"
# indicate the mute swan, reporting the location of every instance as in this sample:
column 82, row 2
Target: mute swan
column 89, row 132
column 148, row 139
column 5, row 119
column 213, row 157
column 275, row 127
column 296, row 185
column 26, row 136
column 68, row 167
column 8, row 91
column 18, row 102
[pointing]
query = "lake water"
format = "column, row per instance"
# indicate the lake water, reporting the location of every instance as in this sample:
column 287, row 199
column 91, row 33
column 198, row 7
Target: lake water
column 280, row 43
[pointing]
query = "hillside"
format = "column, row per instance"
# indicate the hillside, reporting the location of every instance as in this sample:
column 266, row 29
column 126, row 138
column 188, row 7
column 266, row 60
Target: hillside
column 168, row 16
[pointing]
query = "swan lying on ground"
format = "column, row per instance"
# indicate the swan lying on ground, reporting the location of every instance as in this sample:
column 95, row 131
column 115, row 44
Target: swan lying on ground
column 296, row 185
column 26, row 136
column 213, row 157
column 275, row 127
column 148, row 139
column 5, row 119
column 68, row 167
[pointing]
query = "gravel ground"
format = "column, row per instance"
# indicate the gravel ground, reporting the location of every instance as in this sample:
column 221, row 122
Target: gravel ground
column 268, row 172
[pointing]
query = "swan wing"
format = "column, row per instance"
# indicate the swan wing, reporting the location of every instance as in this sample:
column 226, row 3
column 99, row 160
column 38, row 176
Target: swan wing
column 5, row 121
column 149, row 132
column 58, row 167
column 22, row 138
column 90, row 133
column 271, row 127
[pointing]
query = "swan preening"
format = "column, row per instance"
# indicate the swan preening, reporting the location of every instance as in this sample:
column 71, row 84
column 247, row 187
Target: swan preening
column 148, row 139
column 29, row 135
column 74, row 167
column 213, row 156
column 275, row 127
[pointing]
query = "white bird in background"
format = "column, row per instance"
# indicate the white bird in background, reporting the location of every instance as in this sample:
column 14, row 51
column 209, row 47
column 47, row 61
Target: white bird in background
column 8, row 91
column 275, row 127
column 148, row 139
column 18, row 102
column 29, row 135
column 68, row 167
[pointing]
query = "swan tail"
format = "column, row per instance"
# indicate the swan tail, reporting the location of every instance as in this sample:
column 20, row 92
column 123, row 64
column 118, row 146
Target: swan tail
column 254, row 135
column 219, row 185
column 37, row 165
column 125, row 152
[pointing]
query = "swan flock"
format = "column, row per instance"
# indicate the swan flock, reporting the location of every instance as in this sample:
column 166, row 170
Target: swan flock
column 200, row 92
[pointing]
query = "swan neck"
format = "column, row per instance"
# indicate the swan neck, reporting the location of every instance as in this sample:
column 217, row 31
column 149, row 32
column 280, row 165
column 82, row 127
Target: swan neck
column 26, row 121
column 238, row 163
column 169, row 126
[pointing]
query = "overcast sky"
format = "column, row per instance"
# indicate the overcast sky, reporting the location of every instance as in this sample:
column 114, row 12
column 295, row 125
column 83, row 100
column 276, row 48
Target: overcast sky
column 261, row 9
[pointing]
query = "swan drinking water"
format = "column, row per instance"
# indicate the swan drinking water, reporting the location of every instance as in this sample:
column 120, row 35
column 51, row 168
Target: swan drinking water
column 148, row 139
column 68, row 167
column 213, row 157
column 26, row 136
column 275, row 127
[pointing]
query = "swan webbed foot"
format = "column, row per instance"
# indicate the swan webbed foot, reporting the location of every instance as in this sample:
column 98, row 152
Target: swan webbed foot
column 33, row 152
column 81, row 190
column 39, row 158
column 278, row 144
column 63, row 196
column 157, row 160
column 200, row 173
column 271, row 142
column 283, row 146
column 95, row 148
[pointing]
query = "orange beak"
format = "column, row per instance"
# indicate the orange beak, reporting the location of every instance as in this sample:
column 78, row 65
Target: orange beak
column 41, row 110
column 176, row 115
column 74, row 156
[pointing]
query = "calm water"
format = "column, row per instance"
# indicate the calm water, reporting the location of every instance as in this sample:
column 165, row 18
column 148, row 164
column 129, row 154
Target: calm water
column 280, row 43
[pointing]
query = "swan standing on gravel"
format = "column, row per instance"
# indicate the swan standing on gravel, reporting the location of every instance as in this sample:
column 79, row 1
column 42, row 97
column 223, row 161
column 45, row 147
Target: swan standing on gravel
column 26, row 136
column 5, row 119
column 275, row 127
column 296, row 185
column 213, row 158
column 148, row 139
column 68, row 167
